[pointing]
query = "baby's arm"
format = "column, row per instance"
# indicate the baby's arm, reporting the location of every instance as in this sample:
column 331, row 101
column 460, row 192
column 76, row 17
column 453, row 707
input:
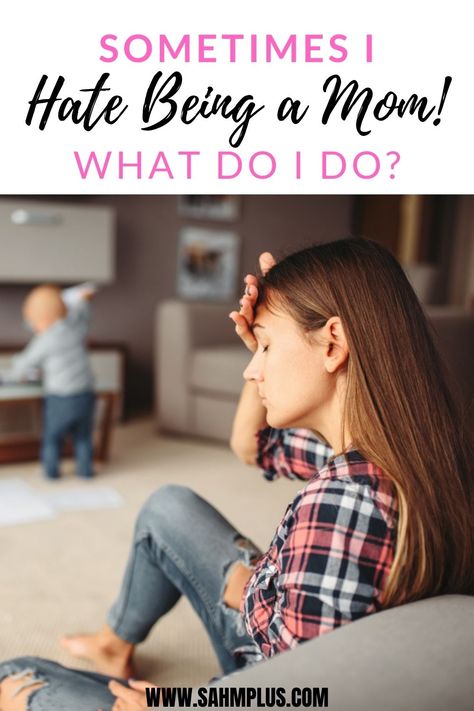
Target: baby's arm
column 75, row 295
column 77, row 299
column 25, row 362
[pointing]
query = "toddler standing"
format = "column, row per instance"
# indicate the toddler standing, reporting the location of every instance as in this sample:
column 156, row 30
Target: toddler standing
column 58, row 348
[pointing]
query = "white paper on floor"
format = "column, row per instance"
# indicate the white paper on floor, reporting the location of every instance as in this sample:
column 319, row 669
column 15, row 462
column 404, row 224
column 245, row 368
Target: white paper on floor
column 20, row 504
column 88, row 498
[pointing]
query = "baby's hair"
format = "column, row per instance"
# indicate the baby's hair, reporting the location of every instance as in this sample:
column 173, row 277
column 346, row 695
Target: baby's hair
column 44, row 302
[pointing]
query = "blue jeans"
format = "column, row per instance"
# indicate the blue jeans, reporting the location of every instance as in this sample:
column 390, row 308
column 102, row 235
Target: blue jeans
column 68, row 415
column 181, row 546
column 64, row 689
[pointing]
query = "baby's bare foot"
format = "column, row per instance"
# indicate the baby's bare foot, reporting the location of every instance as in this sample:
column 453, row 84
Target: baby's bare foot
column 109, row 654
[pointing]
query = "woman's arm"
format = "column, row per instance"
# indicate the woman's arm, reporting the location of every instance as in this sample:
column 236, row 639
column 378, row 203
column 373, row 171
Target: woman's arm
column 249, row 418
column 328, row 564
column 250, row 415
column 291, row 453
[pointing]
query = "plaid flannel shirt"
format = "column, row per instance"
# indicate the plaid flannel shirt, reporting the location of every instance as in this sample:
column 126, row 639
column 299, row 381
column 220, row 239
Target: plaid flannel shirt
column 331, row 554
column 292, row 453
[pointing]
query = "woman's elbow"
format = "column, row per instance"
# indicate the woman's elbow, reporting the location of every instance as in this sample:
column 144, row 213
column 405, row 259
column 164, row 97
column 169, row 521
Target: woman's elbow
column 243, row 450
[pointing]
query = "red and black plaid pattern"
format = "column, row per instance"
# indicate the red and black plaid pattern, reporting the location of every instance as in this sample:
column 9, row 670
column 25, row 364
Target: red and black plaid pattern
column 330, row 557
column 293, row 453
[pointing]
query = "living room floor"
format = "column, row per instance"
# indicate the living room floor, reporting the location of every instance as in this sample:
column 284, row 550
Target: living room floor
column 60, row 576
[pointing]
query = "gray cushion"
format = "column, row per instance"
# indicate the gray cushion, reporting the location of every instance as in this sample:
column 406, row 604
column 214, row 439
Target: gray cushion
column 417, row 657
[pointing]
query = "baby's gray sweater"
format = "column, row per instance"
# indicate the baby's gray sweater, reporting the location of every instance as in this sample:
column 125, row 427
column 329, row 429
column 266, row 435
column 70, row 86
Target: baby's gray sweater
column 61, row 354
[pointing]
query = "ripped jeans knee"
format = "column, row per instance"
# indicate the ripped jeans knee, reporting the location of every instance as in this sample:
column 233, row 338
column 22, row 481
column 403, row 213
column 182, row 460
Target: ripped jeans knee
column 234, row 579
column 249, row 551
column 35, row 684
column 19, row 682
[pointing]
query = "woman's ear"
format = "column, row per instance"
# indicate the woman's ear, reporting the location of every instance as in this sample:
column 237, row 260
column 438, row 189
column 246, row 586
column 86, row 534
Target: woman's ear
column 337, row 351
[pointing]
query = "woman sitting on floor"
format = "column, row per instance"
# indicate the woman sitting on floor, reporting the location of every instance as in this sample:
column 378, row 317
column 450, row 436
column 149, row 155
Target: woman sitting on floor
column 342, row 348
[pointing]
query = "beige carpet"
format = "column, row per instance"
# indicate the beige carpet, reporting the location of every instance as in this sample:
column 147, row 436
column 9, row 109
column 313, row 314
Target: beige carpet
column 60, row 576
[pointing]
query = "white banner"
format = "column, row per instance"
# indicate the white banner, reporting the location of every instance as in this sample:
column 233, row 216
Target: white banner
column 252, row 97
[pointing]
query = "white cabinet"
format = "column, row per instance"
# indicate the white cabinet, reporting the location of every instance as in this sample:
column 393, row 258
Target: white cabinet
column 55, row 242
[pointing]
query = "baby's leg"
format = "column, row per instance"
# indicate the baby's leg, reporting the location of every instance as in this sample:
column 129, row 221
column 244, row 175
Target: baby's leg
column 82, row 433
column 53, row 434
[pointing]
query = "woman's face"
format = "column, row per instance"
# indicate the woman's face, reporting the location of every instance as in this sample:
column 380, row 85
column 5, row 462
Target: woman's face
column 289, row 371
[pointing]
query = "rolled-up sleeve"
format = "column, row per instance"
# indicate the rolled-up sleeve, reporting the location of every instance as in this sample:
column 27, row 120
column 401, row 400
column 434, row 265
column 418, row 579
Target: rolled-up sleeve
column 291, row 453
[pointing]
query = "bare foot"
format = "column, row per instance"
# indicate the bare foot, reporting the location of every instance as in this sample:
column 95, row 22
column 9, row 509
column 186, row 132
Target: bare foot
column 110, row 654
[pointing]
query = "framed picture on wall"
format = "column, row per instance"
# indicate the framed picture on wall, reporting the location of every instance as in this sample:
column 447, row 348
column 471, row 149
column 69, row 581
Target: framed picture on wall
column 207, row 264
column 209, row 207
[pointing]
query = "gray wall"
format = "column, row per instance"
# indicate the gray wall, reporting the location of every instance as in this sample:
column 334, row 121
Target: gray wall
column 147, row 231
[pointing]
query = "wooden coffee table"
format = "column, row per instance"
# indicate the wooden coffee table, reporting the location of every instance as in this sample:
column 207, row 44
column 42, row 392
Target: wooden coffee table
column 25, row 446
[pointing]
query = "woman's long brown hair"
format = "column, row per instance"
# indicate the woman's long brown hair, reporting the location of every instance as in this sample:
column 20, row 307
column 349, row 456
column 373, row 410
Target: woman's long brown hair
column 399, row 410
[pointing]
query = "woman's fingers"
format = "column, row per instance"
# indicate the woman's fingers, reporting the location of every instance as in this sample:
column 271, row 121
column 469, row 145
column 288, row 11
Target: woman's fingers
column 117, row 688
column 127, row 699
column 266, row 262
column 122, row 705
column 140, row 685
column 244, row 318
column 251, row 279
column 251, row 288
column 243, row 330
column 247, row 308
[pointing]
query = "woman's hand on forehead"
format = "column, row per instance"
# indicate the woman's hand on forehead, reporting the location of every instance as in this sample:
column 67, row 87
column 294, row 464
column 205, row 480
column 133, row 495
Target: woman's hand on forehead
column 244, row 318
